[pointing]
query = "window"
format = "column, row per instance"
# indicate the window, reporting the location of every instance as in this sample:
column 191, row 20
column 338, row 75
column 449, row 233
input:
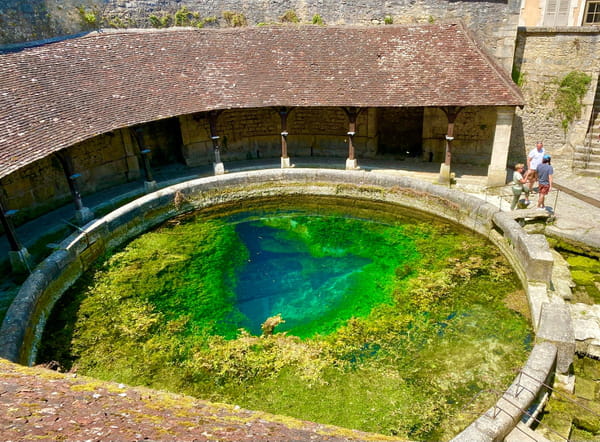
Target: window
column 556, row 13
column 592, row 13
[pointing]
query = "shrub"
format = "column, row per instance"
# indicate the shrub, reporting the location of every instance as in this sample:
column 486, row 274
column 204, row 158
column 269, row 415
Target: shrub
column 235, row 19
column 89, row 18
column 571, row 90
column 289, row 17
column 317, row 20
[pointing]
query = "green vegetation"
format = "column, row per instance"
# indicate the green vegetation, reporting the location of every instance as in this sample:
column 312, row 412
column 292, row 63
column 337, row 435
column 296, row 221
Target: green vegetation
column 317, row 20
column 89, row 17
column 585, row 272
column 517, row 76
column 571, row 90
column 235, row 19
column 289, row 17
column 183, row 17
column 430, row 320
column 388, row 20
column 574, row 416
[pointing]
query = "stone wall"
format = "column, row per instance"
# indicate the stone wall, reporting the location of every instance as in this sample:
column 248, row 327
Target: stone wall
column 103, row 161
column 255, row 133
column 494, row 22
column 400, row 131
column 544, row 56
column 473, row 135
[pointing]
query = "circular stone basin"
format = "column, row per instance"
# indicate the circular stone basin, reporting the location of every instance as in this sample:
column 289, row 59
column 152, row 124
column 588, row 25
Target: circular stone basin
column 338, row 311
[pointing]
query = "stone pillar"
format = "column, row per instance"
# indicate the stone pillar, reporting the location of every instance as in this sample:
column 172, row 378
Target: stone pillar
column 19, row 257
column 445, row 174
column 218, row 164
column 149, row 183
column 351, row 162
column 82, row 213
column 497, row 167
column 285, row 159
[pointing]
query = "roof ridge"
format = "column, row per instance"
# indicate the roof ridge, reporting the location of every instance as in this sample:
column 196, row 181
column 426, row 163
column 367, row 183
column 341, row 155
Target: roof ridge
column 494, row 64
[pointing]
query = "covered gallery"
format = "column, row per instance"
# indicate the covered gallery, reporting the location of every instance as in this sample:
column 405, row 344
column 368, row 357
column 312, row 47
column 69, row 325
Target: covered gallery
column 86, row 113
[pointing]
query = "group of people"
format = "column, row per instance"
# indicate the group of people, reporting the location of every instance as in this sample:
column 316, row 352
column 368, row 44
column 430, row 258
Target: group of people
column 538, row 170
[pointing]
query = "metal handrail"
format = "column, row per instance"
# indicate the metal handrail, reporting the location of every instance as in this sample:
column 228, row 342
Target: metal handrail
column 505, row 395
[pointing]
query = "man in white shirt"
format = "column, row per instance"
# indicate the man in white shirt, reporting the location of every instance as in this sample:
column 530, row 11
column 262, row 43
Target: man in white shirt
column 534, row 159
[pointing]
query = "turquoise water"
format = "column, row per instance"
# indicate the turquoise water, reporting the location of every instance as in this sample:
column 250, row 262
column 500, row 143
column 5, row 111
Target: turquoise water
column 282, row 277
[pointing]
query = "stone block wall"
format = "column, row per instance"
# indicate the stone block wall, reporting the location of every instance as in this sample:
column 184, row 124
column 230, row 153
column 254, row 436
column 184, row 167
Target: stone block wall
column 253, row 133
column 400, row 131
column 544, row 56
column 35, row 189
column 102, row 161
column 473, row 135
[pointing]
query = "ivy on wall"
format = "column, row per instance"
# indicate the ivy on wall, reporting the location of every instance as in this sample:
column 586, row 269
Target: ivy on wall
column 569, row 96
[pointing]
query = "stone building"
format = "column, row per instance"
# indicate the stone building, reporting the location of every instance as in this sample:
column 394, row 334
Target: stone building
column 552, row 13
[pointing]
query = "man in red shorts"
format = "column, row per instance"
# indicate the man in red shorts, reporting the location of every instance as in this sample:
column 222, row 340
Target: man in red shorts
column 544, row 173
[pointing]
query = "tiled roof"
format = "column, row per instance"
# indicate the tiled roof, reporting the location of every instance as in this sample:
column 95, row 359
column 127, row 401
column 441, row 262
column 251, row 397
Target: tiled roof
column 57, row 94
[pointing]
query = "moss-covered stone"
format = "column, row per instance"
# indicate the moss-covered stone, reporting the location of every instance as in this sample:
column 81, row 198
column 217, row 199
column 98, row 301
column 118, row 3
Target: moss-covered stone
column 588, row 418
column 585, row 388
column 580, row 262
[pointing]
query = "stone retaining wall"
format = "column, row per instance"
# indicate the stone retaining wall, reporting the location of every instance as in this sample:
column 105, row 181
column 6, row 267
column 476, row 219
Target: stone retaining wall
column 25, row 319
column 543, row 57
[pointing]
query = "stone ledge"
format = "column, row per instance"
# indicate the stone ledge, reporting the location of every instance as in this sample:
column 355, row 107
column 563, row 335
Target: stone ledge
column 533, row 250
column 556, row 327
column 531, row 30
column 499, row 420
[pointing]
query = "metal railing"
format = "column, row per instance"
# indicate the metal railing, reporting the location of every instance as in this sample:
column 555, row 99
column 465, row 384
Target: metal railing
column 532, row 412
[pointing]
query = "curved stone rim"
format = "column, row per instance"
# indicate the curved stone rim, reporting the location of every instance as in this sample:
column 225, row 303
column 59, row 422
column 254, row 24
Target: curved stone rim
column 529, row 255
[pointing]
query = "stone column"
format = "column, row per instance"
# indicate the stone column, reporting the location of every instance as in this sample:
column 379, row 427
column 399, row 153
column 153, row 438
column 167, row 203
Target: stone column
column 497, row 167
column 351, row 162
column 149, row 182
column 19, row 257
column 82, row 213
column 218, row 164
column 445, row 175
column 285, row 159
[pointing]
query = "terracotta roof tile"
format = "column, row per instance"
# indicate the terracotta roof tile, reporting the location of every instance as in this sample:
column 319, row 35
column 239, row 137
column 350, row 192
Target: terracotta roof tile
column 58, row 94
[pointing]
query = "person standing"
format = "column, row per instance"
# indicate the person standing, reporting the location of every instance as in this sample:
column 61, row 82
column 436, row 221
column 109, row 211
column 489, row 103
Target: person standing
column 519, row 186
column 544, row 173
column 534, row 159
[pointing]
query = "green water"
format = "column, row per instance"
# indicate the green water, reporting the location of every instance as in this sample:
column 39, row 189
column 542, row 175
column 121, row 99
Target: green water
column 393, row 321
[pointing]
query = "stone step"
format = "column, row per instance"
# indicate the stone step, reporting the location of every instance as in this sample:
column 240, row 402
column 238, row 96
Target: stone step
column 579, row 164
column 593, row 149
column 589, row 158
column 586, row 172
